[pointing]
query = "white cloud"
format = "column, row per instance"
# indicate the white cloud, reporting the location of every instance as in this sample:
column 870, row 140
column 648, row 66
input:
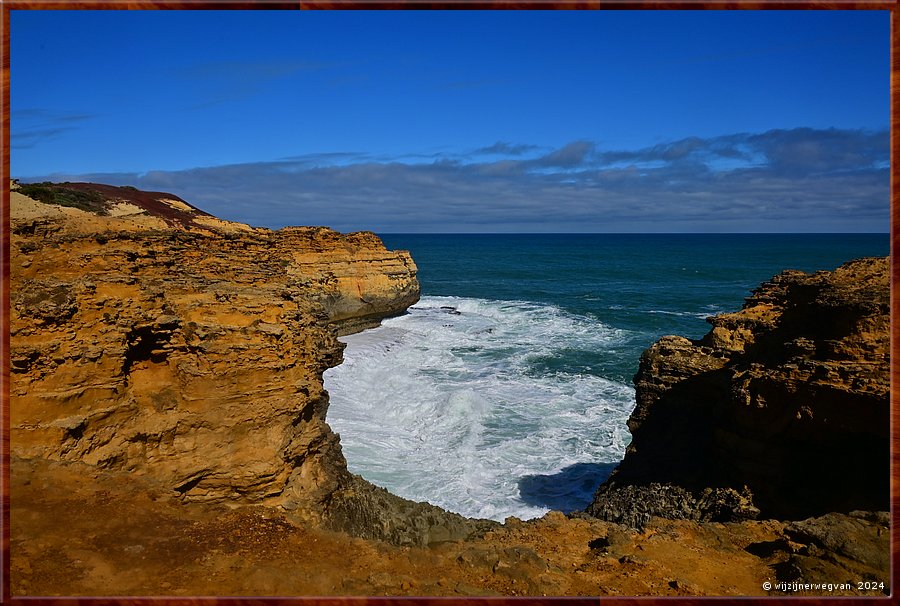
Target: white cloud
column 784, row 180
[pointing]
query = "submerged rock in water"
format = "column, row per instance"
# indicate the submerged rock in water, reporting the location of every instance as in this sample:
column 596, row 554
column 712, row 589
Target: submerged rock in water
column 787, row 400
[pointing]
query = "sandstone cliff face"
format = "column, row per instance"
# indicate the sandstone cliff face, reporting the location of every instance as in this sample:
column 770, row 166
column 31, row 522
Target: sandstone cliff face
column 785, row 402
column 149, row 337
column 359, row 282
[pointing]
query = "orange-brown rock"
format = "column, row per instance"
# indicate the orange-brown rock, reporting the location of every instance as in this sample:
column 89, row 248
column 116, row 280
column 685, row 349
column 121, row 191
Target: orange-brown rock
column 783, row 406
column 80, row 530
column 169, row 435
column 151, row 338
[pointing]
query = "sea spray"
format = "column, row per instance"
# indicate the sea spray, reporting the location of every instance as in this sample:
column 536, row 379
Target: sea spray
column 506, row 390
column 483, row 407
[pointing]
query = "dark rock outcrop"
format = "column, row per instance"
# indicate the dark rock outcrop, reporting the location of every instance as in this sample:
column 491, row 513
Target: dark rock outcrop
column 786, row 400
column 633, row 506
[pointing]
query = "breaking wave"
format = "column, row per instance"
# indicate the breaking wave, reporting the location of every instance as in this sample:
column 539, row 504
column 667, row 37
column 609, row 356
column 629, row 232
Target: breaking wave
column 486, row 408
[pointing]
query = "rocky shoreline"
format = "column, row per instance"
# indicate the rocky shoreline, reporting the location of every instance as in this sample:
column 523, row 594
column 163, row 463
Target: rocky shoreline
column 781, row 411
column 166, row 368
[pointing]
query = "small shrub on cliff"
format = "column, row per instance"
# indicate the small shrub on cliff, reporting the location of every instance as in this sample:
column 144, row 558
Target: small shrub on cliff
column 50, row 193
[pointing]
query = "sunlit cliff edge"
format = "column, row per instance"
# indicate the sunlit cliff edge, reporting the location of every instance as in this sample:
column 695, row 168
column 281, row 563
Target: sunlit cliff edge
column 152, row 338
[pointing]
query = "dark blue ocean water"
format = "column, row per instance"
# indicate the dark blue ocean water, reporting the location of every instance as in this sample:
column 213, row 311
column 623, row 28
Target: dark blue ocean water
column 505, row 391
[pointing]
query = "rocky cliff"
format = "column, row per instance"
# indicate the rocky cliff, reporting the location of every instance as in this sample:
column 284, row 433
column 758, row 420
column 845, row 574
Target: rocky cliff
column 152, row 338
column 781, row 410
column 168, row 429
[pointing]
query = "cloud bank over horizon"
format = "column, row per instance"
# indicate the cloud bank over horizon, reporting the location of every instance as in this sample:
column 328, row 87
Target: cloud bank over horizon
column 801, row 179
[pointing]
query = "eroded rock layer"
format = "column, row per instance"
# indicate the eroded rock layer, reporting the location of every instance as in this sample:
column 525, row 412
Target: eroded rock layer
column 781, row 410
column 78, row 530
column 152, row 338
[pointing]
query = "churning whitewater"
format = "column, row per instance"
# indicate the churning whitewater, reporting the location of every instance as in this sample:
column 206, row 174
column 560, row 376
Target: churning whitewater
column 506, row 390
column 486, row 408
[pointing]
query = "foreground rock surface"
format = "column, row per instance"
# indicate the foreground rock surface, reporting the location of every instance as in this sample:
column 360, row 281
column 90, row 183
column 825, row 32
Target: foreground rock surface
column 79, row 530
column 780, row 411
column 151, row 338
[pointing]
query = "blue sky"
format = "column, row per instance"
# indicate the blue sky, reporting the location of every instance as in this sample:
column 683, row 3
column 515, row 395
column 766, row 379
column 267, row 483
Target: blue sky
column 467, row 121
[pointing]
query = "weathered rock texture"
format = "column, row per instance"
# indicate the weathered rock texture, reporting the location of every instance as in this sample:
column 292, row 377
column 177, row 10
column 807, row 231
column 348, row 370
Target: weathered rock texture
column 838, row 546
column 782, row 406
column 152, row 338
column 166, row 382
column 79, row 530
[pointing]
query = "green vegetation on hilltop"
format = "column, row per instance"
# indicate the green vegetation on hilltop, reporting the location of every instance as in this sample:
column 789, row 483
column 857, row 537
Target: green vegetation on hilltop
column 59, row 194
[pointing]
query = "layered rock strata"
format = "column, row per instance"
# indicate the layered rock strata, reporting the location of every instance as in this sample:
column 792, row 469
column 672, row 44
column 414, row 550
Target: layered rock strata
column 781, row 410
column 151, row 338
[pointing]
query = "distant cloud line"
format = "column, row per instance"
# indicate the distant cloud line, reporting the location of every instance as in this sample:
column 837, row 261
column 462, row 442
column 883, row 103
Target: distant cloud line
column 35, row 126
column 799, row 179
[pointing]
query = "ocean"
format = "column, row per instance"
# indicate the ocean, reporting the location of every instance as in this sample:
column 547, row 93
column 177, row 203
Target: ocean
column 505, row 391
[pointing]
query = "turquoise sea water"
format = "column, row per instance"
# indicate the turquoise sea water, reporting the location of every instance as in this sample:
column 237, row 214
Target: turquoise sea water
column 506, row 389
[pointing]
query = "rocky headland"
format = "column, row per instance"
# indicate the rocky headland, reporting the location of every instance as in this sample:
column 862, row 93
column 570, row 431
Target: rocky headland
column 781, row 411
column 151, row 338
column 168, row 429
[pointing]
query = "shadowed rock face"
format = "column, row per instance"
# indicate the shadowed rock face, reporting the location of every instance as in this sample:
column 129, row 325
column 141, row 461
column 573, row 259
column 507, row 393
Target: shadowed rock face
column 787, row 399
column 191, row 350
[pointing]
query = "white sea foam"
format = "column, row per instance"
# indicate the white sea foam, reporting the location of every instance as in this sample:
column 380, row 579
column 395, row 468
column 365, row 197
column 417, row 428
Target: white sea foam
column 481, row 406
